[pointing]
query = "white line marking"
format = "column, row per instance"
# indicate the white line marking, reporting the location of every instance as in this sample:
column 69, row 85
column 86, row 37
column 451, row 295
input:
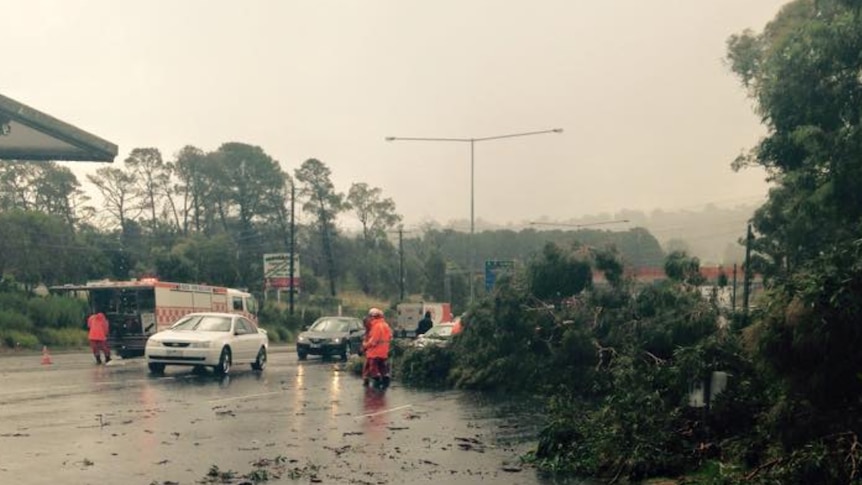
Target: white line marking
column 385, row 411
column 250, row 396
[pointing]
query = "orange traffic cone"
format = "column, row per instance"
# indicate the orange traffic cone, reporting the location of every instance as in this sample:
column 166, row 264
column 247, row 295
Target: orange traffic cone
column 46, row 356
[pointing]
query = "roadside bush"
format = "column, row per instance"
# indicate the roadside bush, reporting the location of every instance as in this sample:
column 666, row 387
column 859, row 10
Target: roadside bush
column 427, row 367
column 63, row 337
column 15, row 301
column 499, row 347
column 57, row 312
column 15, row 339
column 13, row 320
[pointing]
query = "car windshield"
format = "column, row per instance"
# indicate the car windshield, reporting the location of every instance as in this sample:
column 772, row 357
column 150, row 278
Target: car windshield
column 203, row 323
column 329, row 325
column 439, row 331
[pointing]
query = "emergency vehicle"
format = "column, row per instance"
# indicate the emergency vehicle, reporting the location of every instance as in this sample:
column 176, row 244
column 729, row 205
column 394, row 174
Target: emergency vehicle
column 137, row 309
column 409, row 315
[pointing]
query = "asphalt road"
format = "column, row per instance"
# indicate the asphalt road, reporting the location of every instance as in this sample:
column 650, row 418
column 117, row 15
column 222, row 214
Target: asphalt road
column 74, row 422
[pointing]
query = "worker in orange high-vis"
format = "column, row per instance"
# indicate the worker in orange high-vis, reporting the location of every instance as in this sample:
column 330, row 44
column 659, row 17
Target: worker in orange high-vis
column 377, row 349
column 99, row 329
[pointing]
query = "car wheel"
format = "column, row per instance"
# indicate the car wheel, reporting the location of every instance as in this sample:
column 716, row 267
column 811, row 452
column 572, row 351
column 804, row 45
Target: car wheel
column 156, row 368
column 301, row 355
column 346, row 352
column 260, row 362
column 224, row 361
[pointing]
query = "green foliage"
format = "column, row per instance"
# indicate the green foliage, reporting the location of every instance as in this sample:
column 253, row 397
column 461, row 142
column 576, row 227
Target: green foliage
column 57, row 312
column 497, row 349
column 427, row 367
column 16, row 339
column 13, row 300
column 684, row 269
column 811, row 332
column 667, row 317
column 558, row 274
column 12, row 320
column 26, row 237
column 28, row 322
column 63, row 337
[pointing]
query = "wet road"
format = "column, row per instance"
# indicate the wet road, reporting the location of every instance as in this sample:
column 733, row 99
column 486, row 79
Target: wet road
column 297, row 422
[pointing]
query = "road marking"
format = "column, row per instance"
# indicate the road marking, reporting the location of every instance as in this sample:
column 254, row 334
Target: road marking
column 42, row 390
column 250, row 396
column 385, row 411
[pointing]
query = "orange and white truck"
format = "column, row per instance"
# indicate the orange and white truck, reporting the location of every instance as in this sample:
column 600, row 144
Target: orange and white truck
column 139, row 308
column 409, row 315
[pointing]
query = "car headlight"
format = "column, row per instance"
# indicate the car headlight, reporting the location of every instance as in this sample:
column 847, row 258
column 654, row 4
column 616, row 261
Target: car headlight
column 336, row 340
column 301, row 338
column 153, row 343
column 200, row 345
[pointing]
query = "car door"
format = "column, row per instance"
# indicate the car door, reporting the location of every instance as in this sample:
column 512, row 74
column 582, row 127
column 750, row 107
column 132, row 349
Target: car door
column 356, row 334
column 246, row 340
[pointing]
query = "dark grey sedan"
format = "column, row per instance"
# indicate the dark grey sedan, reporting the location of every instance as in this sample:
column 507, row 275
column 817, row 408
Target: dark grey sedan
column 329, row 336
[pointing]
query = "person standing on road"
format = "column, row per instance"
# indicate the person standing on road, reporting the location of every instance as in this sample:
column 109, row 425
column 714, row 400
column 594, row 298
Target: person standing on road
column 425, row 324
column 98, row 327
column 377, row 348
column 366, row 367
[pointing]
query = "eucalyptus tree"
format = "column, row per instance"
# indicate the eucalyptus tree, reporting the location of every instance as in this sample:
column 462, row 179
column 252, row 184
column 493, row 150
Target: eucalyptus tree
column 16, row 184
column 375, row 213
column 120, row 199
column 279, row 215
column 376, row 265
column 803, row 72
column 58, row 192
column 189, row 168
column 27, row 237
column 245, row 180
column 151, row 177
column 324, row 204
column 45, row 186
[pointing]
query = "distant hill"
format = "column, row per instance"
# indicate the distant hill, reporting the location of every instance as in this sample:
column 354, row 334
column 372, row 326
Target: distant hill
column 713, row 233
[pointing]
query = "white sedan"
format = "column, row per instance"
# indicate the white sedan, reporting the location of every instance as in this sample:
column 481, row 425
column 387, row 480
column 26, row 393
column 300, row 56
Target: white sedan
column 208, row 339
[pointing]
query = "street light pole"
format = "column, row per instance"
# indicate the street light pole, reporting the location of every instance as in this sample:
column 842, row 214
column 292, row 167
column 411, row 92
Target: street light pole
column 473, row 142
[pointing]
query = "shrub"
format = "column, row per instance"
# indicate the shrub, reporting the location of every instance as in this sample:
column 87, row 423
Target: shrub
column 17, row 339
column 15, row 301
column 57, row 312
column 63, row 337
column 13, row 320
column 427, row 367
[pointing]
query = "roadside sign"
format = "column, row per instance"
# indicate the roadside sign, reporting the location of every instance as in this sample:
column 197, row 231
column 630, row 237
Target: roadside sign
column 495, row 268
column 276, row 270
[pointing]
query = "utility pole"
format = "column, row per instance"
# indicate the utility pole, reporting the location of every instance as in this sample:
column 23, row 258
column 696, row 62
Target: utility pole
column 733, row 298
column 472, row 141
column 292, row 287
column 400, row 232
column 401, row 260
column 746, row 282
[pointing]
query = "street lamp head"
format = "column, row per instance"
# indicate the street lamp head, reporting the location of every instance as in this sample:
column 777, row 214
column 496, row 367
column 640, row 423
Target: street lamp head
column 390, row 138
column 557, row 130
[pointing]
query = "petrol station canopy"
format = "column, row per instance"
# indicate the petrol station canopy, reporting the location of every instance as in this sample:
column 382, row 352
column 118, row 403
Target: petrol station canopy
column 29, row 134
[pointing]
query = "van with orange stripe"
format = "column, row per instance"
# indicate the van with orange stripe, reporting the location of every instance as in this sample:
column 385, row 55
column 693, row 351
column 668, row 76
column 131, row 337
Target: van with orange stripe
column 139, row 308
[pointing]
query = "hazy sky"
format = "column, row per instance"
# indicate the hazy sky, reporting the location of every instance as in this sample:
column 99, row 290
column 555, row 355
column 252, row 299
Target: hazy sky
column 652, row 116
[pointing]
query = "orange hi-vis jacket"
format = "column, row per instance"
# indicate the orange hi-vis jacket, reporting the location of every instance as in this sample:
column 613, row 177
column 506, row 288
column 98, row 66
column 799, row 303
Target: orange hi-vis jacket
column 98, row 325
column 377, row 345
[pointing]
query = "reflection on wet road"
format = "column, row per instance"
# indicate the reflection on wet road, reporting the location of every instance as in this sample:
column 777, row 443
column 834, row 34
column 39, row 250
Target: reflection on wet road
column 74, row 422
